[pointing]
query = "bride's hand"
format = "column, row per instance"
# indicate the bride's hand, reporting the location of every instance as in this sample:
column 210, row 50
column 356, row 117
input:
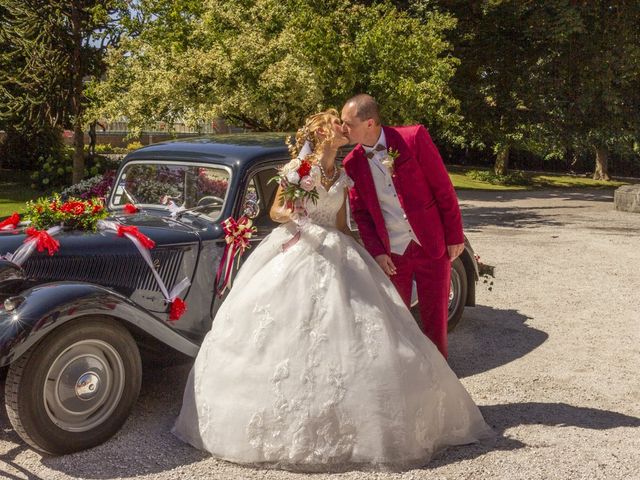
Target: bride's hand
column 386, row 264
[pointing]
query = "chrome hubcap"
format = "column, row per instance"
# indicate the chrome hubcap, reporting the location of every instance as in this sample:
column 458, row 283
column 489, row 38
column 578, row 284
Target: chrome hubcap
column 84, row 385
column 87, row 386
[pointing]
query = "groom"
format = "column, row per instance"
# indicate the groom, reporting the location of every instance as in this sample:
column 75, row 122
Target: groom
column 406, row 209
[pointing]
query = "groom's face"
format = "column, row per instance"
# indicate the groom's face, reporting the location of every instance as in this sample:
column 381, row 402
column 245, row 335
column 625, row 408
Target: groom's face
column 355, row 129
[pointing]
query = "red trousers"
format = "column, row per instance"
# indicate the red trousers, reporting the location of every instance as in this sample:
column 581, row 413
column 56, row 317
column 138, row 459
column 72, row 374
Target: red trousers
column 433, row 277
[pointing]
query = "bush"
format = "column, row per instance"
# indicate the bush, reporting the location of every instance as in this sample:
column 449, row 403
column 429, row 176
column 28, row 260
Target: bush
column 54, row 170
column 134, row 146
column 512, row 178
column 96, row 186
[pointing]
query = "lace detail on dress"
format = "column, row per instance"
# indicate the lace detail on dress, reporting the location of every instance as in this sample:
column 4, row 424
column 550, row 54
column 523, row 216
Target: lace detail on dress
column 265, row 320
column 369, row 329
column 290, row 433
column 329, row 201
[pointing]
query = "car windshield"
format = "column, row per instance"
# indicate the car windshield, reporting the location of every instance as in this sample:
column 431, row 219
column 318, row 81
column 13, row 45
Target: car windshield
column 174, row 186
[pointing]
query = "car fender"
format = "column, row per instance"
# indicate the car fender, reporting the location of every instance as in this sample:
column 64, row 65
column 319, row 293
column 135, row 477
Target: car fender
column 39, row 310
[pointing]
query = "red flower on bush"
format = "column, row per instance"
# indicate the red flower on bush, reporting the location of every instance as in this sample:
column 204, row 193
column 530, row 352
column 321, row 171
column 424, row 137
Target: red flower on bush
column 130, row 208
column 74, row 208
column 304, row 168
column 97, row 208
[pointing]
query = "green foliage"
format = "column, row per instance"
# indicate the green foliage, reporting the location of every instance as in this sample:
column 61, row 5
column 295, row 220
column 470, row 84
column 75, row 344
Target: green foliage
column 267, row 64
column 488, row 176
column 47, row 50
column 54, row 171
column 134, row 146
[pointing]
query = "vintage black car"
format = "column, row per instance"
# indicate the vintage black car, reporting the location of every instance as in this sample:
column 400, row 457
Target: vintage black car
column 76, row 327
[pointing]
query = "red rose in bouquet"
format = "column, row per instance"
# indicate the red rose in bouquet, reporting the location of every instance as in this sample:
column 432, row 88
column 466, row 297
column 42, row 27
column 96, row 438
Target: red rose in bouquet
column 304, row 169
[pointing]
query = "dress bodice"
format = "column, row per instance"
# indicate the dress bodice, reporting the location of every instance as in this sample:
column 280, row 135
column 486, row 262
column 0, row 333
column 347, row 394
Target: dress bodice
column 329, row 201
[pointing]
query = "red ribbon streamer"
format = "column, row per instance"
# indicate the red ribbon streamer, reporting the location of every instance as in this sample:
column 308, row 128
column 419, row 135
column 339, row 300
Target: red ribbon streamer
column 237, row 235
column 131, row 230
column 12, row 221
column 178, row 307
column 43, row 240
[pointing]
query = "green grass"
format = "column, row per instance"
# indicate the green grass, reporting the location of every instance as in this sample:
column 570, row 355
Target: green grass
column 15, row 191
column 538, row 180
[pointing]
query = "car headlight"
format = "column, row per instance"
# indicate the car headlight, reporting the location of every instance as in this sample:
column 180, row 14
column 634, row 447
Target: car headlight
column 11, row 303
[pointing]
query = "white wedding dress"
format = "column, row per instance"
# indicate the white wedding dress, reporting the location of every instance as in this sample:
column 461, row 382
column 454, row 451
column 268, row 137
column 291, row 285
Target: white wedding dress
column 314, row 363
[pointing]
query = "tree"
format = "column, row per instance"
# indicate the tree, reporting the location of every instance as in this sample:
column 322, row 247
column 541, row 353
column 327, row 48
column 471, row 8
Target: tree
column 52, row 47
column 266, row 64
column 598, row 92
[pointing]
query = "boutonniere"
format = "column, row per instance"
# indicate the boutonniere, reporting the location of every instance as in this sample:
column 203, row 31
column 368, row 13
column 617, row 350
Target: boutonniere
column 390, row 158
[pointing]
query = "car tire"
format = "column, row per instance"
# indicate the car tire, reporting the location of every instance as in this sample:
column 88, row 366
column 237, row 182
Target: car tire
column 75, row 388
column 457, row 293
column 457, row 296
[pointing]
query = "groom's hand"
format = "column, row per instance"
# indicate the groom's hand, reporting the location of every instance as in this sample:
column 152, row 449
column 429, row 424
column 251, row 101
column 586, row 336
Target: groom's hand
column 455, row 250
column 386, row 264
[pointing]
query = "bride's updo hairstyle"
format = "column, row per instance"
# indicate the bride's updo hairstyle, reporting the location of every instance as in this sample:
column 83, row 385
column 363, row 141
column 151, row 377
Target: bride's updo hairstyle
column 317, row 130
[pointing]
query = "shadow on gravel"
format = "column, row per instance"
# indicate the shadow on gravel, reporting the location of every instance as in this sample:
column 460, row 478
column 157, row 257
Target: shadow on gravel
column 503, row 417
column 7, row 434
column 499, row 213
column 145, row 444
column 487, row 338
column 564, row 194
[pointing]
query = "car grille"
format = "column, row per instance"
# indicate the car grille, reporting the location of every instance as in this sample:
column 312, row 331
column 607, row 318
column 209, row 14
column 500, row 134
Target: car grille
column 120, row 272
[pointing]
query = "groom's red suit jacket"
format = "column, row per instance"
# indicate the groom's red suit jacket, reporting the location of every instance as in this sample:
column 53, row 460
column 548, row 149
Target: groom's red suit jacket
column 423, row 187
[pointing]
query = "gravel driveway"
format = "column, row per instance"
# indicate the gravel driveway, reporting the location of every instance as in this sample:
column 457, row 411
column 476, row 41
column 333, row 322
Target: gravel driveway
column 551, row 355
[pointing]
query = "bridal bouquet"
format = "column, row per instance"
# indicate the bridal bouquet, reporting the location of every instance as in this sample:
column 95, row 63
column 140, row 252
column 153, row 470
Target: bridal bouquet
column 298, row 180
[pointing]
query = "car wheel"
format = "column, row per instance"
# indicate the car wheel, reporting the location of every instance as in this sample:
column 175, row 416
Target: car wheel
column 457, row 296
column 75, row 388
column 457, row 293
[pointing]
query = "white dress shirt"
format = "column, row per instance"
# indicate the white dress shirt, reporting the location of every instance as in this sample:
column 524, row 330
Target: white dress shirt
column 398, row 227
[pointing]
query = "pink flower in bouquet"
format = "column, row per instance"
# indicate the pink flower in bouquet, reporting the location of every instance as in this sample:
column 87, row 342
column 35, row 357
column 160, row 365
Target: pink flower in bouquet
column 307, row 183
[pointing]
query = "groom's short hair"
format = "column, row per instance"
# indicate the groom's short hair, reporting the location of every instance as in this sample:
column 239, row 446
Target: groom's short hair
column 366, row 107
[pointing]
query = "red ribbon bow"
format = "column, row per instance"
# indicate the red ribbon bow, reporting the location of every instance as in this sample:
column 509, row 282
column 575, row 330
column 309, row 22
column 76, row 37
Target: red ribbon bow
column 43, row 240
column 133, row 231
column 237, row 235
column 130, row 208
column 12, row 221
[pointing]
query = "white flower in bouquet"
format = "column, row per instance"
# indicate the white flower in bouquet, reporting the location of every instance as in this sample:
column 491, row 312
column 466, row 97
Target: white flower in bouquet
column 293, row 177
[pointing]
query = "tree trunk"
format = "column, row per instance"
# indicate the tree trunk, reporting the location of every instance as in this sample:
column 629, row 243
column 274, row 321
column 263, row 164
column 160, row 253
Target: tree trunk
column 502, row 160
column 602, row 164
column 76, row 98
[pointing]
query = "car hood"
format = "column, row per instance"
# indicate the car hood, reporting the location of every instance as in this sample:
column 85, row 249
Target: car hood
column 104, row 258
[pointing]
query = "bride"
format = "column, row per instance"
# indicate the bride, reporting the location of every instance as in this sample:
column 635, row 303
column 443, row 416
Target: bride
column 313, row 362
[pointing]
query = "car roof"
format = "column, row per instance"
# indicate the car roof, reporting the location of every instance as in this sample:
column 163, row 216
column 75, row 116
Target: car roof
column 234, row 150
column 238, row 150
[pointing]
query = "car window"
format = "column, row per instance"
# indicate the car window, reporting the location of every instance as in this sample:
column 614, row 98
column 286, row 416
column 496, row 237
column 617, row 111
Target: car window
column 172, row 186
column 259, row 196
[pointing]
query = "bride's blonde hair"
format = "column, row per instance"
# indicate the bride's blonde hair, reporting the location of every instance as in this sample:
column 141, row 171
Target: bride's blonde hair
column 317, row 130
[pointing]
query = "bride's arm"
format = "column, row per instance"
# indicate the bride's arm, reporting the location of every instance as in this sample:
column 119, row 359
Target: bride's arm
column 279, row 213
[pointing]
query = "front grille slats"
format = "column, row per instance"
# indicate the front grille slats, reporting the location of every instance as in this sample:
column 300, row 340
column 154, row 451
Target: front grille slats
column 121, row 272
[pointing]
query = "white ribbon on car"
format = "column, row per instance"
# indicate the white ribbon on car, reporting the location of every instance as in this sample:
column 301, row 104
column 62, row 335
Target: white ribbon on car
column 170, row 296
column 24, row 251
